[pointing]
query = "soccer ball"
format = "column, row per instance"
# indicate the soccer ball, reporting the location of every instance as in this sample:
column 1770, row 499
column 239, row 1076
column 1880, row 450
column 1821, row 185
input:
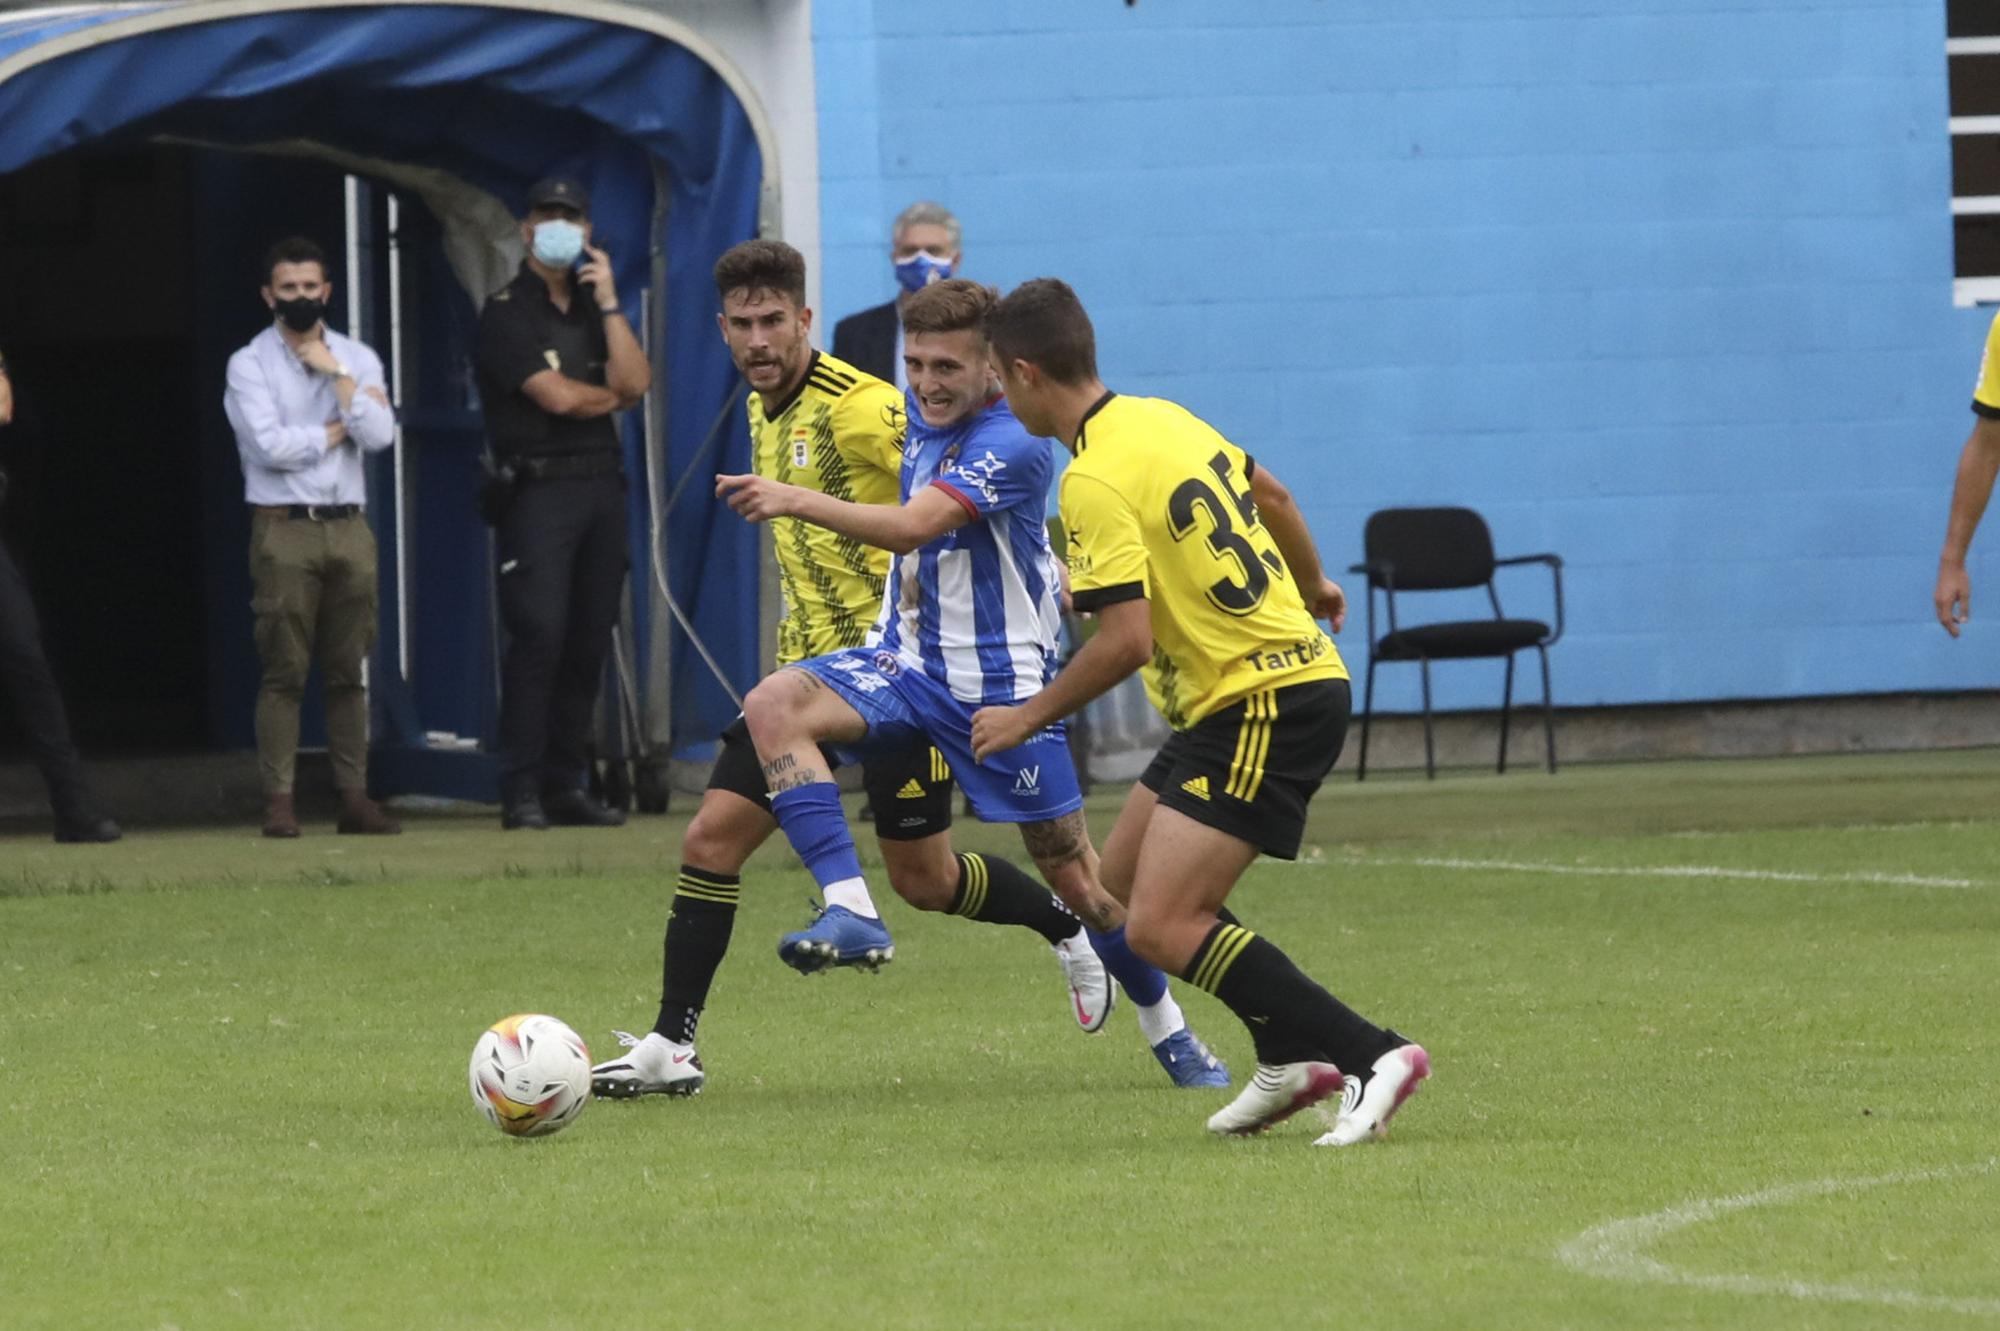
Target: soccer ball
column 530, row 1075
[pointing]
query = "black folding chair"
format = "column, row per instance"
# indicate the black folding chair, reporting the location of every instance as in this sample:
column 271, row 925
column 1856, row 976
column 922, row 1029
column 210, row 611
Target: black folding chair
column 1448, row 549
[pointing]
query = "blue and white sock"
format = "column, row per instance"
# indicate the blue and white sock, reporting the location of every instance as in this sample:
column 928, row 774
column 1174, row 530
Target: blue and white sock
column 1144, row 983
column 812, row 821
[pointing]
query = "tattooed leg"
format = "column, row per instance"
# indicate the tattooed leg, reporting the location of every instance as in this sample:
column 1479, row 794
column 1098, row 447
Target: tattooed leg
column 790, row 715
column 1063, row 853
column 1068, row 862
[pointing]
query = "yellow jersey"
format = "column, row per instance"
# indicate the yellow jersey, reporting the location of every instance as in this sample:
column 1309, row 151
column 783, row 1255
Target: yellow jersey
column 1157, row 505
column 841, row 432
column 1986, row 393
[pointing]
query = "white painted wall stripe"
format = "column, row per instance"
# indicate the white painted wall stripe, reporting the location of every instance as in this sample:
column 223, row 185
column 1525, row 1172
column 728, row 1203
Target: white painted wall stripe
column 1969, row 291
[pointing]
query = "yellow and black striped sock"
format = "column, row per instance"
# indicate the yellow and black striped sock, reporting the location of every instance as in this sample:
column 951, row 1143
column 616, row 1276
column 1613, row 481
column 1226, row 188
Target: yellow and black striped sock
column 698, row 927
column 1289, row 1016
column 1216, row 955
column 720, row 889
column 994, row 891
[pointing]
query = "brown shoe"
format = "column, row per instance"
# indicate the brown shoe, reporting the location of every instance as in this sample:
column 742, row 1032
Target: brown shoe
column 361, row 816
column 279, row 818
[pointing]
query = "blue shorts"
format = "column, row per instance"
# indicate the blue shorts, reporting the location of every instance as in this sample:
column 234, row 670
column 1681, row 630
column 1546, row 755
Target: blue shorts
column 903, row 707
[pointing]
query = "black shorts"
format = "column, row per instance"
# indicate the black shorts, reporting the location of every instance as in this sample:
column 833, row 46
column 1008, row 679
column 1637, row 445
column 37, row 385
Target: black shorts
column 1250, row 768
column 909, row 791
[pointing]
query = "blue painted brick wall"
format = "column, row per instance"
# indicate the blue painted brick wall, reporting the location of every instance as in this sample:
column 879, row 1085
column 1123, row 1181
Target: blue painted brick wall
column 1662, row 285
column 847, row 87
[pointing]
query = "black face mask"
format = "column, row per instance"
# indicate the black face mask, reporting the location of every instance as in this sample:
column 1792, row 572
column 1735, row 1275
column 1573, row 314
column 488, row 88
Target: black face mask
column 301, row 313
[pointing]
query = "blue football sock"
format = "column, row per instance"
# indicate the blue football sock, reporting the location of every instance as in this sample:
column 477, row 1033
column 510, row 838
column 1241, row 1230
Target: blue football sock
column 813, row 823
column 1143, row 982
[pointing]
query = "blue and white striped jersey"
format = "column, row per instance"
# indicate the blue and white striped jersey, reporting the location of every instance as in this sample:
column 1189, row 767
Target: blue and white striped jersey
column 977, row 609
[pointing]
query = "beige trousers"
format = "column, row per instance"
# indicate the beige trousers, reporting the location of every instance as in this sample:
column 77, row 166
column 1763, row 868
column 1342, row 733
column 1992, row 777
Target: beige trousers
column 313, row 591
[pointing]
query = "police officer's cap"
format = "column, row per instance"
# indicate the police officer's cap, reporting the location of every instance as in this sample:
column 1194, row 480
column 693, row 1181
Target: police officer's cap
column 559, row 192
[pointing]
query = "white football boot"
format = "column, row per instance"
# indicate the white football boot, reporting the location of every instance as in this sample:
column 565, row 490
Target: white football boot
column 1091, row 993
column 1277, row 1092
column 655, row 1066
column 1368, row 1102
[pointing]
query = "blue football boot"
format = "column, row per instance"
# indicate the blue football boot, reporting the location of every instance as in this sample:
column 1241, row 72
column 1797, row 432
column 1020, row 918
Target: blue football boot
column 837, row 937
column 1189, row 1063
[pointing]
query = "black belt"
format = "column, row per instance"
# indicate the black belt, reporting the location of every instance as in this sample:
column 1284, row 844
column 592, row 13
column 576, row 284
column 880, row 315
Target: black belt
column 311, row 512
column 550, row 466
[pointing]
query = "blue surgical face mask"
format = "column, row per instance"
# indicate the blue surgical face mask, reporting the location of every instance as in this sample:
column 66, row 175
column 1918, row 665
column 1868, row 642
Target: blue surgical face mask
column 921, row 269
column 558, row 243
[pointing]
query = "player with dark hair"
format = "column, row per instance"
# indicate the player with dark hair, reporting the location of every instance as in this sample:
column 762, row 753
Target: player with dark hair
column 970, row 618
column 823, row 426
column 1200, row 569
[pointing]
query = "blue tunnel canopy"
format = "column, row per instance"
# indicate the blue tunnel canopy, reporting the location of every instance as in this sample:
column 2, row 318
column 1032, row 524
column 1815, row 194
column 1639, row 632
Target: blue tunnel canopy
column 497, row 97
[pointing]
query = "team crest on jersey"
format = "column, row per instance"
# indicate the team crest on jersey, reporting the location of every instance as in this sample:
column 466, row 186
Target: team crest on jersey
column 887, row 663
column 801, row 447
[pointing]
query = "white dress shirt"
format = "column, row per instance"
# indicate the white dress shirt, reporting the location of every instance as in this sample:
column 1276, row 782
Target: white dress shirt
column 280, row 409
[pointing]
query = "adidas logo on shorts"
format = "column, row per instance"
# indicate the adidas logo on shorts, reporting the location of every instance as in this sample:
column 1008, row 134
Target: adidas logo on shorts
column 911, row 790
column 1196, row 786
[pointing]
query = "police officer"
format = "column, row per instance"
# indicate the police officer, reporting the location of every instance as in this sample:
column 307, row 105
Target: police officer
column 26, row 679
column 556, row 359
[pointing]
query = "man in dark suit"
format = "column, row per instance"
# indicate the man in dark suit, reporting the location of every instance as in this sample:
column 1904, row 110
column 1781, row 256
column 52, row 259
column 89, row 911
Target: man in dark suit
column 924, row 246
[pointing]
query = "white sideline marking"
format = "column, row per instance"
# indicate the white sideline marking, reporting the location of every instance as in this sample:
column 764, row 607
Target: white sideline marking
column 1680, row 871
column 1615, row 1250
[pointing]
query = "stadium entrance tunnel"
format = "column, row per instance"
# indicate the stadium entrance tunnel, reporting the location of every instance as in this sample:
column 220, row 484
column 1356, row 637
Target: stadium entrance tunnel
column 148, row 157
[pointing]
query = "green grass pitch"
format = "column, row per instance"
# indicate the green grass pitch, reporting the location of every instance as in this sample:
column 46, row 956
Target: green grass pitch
column 1714, row 1047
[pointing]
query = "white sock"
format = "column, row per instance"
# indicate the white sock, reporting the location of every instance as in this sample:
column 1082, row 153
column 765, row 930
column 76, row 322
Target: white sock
column 1162, row 1019
column 853, row 894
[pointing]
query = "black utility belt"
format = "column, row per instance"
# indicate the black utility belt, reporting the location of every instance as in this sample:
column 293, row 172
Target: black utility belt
column 553, row 466
column 311, row 512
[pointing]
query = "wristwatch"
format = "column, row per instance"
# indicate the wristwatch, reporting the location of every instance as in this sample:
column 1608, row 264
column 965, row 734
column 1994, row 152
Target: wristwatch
column 340, row 371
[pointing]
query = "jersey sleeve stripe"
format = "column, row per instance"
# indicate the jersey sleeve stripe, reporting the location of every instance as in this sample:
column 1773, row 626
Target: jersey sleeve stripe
column 959, row 495
column 1990, row 412
column 1098, row 597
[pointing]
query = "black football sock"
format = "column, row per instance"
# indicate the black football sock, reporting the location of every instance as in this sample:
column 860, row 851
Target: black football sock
column 993, row 891
column 698, row 927
column 1290, row 1017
